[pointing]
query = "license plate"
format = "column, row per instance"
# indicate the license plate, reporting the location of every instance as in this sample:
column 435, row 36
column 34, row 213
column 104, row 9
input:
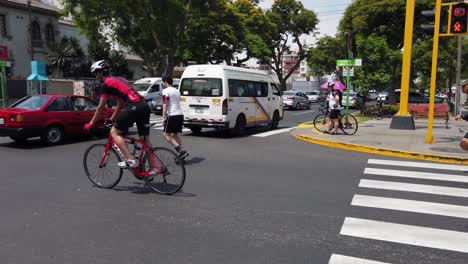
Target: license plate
column 158, row 107
column 2, row 121
column 199, row 110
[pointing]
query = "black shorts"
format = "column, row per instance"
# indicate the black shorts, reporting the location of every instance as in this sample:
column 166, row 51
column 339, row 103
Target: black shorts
column 138, row 112
column 174, row 124
column 334, row 113
column 466, row 135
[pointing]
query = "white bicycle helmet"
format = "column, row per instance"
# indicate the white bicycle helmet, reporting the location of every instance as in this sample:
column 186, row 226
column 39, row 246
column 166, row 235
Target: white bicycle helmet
column 330, row 84
column 99, row 65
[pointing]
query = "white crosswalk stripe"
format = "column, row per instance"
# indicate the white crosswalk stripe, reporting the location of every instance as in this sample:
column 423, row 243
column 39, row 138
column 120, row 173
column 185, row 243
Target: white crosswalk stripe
column 433, row 183
column 159, row 126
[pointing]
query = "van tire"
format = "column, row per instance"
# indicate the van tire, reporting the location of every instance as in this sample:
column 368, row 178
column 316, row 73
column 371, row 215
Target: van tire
column 275, row 120
column 196, row 130
column 239, row 128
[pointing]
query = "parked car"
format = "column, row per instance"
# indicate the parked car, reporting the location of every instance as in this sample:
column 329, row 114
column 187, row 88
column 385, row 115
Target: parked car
column 382, row 96
column 372, row 95
column 295, row 100
column 151, row 88
column 315, row 96
column 416, row 98
column 51, row 117
column 353, row 99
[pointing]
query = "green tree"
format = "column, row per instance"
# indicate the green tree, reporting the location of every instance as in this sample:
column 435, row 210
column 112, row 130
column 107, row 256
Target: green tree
column 66, row 57
column 291, row 20
column 151, row 29
column 323, row 56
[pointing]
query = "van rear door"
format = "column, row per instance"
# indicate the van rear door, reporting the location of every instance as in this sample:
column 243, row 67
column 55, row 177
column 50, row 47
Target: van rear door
column 201, row 97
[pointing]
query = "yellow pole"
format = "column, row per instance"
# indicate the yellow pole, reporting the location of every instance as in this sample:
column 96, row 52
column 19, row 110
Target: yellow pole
column 405, row 75
column 435, row 53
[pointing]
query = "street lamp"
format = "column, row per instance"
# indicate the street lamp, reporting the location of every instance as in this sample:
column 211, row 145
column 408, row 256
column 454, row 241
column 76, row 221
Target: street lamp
column 31, row 50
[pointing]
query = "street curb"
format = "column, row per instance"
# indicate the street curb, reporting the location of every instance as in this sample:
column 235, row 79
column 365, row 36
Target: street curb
column 383, row 151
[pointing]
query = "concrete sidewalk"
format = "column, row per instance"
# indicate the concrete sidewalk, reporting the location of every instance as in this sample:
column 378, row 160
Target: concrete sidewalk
column 375, row 136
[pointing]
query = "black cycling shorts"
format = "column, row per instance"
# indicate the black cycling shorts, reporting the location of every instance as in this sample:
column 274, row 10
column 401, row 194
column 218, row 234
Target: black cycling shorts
column 138, row 112
column 334, row 113
column 174, row 124
column 466, row 135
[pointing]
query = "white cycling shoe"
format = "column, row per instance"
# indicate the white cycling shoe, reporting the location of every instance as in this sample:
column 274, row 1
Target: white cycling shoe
column 127, row 164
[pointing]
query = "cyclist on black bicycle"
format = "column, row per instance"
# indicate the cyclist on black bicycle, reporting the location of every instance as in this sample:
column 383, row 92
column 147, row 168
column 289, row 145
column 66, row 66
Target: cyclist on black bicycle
column 333, row 104
column 135, row 109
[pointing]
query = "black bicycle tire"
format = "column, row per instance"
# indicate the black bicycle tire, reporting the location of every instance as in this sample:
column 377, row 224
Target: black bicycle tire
column 86, row 169
column 343, row 118
column 325, row 121
column 177, row 162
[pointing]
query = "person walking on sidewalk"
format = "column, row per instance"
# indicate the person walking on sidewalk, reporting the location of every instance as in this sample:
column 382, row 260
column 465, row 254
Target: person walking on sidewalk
column 464, row 116
column 173, row 118
column 334, row 109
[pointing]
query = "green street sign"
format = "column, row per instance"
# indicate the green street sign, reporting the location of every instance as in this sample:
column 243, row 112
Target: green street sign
column 5, row 64
column 342, row 63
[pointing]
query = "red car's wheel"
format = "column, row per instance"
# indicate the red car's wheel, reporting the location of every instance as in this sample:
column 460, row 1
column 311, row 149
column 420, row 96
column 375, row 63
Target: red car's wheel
column 53, row 135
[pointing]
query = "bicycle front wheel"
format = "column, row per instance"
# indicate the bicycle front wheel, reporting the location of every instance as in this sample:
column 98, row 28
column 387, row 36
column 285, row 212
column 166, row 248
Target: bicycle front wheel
column 170, row 177
column 349, row 124
column 321, row 122
column 101, row 168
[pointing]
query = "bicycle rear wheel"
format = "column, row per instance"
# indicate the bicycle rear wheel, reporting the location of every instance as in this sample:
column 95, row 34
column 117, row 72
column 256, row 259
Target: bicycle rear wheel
column 321, row 122
column 106, row 175
column 349, row 125
column 171, row 177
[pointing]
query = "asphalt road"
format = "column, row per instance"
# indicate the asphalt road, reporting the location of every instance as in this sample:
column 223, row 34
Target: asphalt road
column 269, row 199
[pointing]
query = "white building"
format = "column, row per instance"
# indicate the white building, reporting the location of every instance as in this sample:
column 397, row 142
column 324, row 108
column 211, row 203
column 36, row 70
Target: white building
column 48, row 27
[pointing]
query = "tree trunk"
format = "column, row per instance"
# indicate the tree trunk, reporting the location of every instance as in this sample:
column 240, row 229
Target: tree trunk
column 169, row 65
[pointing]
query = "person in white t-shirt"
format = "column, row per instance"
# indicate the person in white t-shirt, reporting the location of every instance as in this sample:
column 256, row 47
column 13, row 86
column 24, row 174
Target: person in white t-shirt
column 333, row 99
column 173, row 117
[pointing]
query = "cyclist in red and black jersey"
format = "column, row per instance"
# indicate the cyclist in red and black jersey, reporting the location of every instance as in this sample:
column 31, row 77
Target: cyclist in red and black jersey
column 135, row 109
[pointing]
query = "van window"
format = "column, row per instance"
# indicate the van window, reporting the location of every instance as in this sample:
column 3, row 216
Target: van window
column 154, row 88
column 275, row 89
column 242, row 88
column 209, row 87
column 141, row 87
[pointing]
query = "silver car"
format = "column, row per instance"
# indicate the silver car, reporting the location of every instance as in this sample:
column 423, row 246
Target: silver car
column 315, row 96
column 296, row 100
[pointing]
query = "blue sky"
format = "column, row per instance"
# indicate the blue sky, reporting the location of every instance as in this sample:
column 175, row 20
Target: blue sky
column 329, row 13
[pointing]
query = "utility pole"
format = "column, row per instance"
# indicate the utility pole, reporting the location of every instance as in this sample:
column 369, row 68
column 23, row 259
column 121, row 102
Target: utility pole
column 31, row 49
column 458, row 94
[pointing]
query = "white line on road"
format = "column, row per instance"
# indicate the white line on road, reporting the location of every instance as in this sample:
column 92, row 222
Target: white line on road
column 409, row 187
column 410, row 206
column 340, row 259
column 274, row 132
column 417, row 175
column 406, row 234
column 419, row 164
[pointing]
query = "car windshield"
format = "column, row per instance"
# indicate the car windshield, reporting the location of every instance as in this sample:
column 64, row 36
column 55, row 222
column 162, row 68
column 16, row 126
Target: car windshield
column 141, row 87
column 31, row 102
column 209, row 87
column 289, row 93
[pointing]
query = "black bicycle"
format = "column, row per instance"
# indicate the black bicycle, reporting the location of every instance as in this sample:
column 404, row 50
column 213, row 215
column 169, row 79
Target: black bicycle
column 347, row 123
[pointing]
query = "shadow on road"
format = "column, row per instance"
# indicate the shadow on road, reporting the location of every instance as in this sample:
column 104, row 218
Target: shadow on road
column 36, row 143
column 141, row 188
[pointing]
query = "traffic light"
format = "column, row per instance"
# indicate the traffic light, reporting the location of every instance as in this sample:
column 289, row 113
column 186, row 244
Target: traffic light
column 459, row 18
column 430, row 16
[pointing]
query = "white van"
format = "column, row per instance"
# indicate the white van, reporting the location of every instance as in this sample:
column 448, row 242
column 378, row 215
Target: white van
column 151, row 88
column 227, row 97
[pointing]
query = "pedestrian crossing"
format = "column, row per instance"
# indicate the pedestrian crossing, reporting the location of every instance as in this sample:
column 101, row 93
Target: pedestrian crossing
column 414, row 179
column 159, row 126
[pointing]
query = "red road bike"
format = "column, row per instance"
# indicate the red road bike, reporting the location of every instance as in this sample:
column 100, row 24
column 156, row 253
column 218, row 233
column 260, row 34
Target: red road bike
column 161, row 168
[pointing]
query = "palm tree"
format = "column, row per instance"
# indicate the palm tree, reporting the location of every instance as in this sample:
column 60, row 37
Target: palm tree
column 66, row 57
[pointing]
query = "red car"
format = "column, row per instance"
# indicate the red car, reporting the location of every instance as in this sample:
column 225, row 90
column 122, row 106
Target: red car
column 49, row 116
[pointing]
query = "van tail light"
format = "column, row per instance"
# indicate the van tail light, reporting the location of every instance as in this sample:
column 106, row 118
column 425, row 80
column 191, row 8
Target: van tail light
column 225, row 107
column 289, row 97
column 353, row 99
